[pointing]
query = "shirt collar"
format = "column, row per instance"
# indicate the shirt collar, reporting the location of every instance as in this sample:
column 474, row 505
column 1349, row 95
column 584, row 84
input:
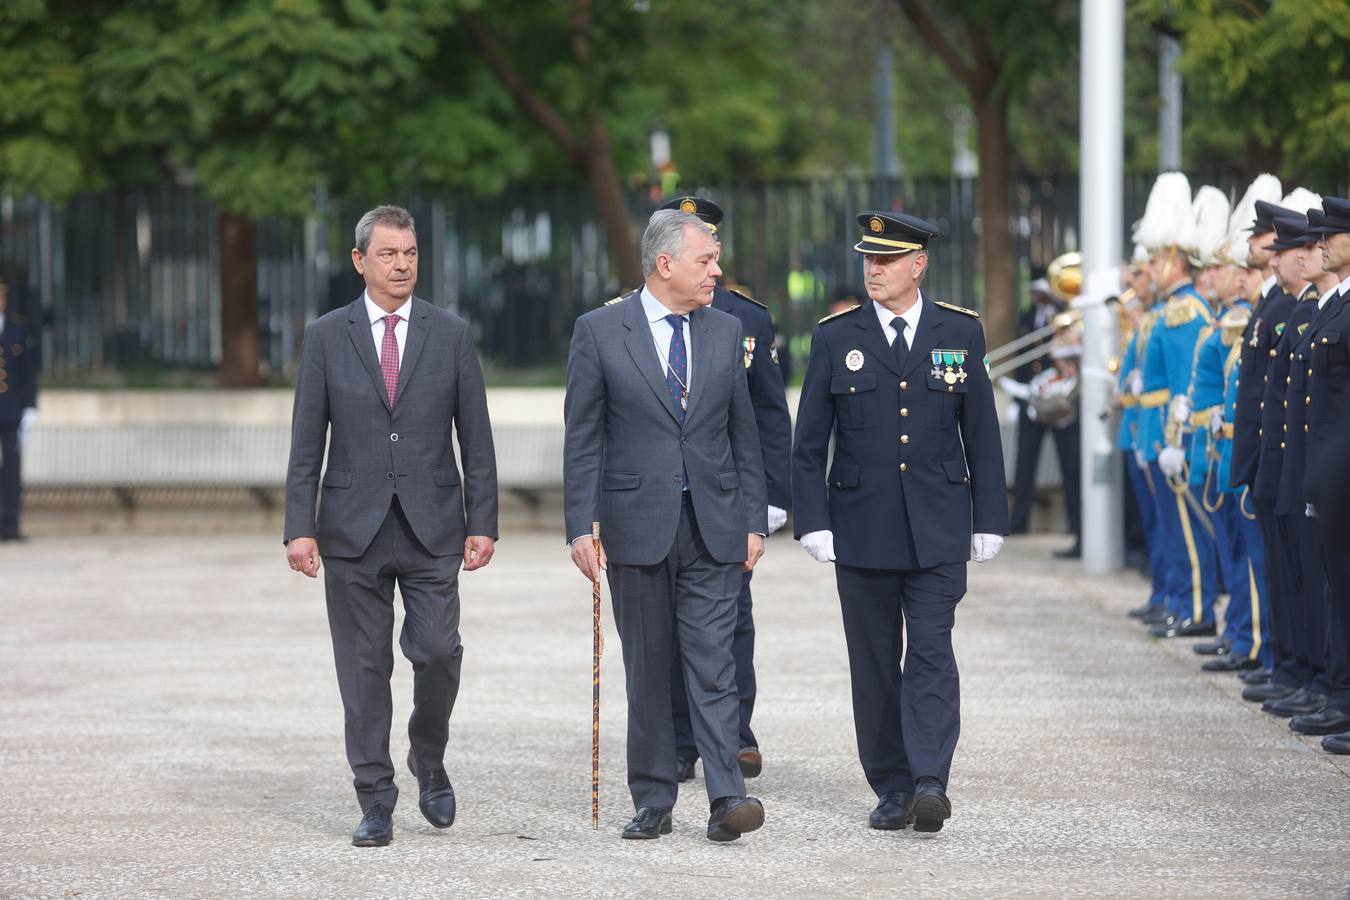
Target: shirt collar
column 911, row 315
column 1344, row 289
column 1267, row 285
column 404, row 312
column 654, row 309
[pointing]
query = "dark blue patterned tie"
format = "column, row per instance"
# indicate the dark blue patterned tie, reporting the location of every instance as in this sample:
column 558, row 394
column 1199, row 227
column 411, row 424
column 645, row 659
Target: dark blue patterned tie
column 899, row 349
column 677, row 366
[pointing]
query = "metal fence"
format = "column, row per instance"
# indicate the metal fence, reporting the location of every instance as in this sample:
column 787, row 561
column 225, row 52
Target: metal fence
column 127, row 280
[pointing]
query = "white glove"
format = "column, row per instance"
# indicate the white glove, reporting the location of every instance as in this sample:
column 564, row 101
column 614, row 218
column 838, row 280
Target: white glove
column 1216, row 421
column 984, row 547
column 777, row 518
column 1139, row 459
column 30, row 415
column 1170, row 460
column 820, row 544
column 1311, row 511
column 1181, row 409
column 1136, row 382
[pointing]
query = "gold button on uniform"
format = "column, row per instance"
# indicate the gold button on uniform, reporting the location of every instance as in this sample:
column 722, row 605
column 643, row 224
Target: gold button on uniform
column 1272, row 354
column 904, row 439
column 1281, row 445
column 853, row 390
column 904, row 411
column 904, row 385
column 904, row 467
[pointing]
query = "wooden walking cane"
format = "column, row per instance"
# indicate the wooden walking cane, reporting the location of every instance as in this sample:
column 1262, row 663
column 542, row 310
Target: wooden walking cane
column 597, row 644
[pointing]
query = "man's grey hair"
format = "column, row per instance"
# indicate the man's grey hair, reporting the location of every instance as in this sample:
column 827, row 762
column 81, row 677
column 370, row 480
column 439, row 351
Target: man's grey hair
column 665, row 234
column 388, row 216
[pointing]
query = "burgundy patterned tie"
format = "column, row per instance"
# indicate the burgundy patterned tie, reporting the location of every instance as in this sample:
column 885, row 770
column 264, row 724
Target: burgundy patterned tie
column 389, row 357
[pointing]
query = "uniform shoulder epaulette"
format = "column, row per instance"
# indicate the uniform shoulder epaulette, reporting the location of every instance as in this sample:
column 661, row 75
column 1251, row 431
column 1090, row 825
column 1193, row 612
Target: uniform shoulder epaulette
column 842, row 312
column 954, row 308
column 745, row 296
column 622, row 297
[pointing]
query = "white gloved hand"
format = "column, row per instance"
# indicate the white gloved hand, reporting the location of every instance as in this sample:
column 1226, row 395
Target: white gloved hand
column 984, row 547
column 777, row 518
column 820, row 544
column 1137, row 383
column 1139, row 459
column 1311, row 511
column 1216, row 421
column 30, row 415
column 1181, row 409
column 1170, row 460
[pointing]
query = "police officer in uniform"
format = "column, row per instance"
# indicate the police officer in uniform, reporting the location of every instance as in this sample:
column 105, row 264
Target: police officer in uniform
column 916, row 488
column 18, row 410
column 768, row 396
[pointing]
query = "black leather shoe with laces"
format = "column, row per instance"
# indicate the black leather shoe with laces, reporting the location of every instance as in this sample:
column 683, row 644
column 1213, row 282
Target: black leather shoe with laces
column 650, row 823
column 435, row 795
column 375, row 829
column 931, row 806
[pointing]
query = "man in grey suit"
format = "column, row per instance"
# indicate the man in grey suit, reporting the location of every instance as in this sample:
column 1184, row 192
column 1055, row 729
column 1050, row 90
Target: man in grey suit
column 384, row 380
column 662, row 450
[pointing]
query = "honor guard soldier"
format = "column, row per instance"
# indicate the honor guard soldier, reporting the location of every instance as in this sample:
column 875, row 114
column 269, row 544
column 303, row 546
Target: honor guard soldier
column 915, row 489
column 769, row 398
column 1327, row 402
column 1297, row 588
column 18, row 410
column 1243, row 645
column 1166, row 231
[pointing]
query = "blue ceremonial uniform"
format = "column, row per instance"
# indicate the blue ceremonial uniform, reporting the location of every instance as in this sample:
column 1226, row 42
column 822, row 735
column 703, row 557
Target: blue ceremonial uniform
column 1237, row 535
column 1188, row 545
column 917, row 467
column 769, row 398
column 18, row 391
column 1141, row 482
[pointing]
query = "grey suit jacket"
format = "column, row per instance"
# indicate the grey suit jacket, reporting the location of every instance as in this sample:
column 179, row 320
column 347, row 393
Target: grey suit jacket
column 374, row 451
column 625, row 447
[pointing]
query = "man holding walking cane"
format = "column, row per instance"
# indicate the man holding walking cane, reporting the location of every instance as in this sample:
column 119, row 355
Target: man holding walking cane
column 662, row 450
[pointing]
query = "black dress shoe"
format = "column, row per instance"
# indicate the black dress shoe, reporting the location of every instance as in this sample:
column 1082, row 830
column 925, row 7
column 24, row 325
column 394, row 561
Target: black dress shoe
column 1302, row 702
column 1140, row 611
column 435, row 795
column 751, row 762
column 734, row 816
column 1260, row 693
column 1159, row 616
column 375, row 829
column 1328, row 721
column 13, row 538
column 1183, row 628
column 892, row 812
column 649, row 824
column 1216, row 647
column 1074, row 552
column 1255, row 676
column 684, row 769
column 931, row 806
column 1230, row 662
column 1337, row 743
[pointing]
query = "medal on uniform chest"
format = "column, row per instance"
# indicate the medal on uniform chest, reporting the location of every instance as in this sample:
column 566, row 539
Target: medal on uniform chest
column 1256, row 331
column 949, row 365
column 749, row 345
column 853, row 360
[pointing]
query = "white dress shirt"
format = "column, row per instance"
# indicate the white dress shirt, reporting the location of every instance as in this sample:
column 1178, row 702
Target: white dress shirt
column 377, row 325
column 1343, row 289
column 911, row 317
column 661, row 333
column 1267, row 285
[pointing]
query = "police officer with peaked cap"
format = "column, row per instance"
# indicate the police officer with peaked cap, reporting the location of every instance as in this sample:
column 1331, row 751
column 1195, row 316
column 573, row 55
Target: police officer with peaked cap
column 769, row 399
column 915, row 489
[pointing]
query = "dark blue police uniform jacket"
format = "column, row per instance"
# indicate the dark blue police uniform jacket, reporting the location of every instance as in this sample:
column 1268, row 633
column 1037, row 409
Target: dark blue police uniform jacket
column 918, row 464
column 767, row 394
column 18, row 372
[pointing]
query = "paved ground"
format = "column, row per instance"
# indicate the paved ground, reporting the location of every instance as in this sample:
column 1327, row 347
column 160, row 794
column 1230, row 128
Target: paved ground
column 170, row 726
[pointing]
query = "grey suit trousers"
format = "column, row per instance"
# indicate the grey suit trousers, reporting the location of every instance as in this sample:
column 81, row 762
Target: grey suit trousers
column 692, row 596
column 360, row 594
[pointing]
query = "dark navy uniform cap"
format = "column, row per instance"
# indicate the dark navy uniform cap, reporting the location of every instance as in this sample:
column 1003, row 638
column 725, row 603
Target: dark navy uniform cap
column 893, row 233
column 1335, row 217
column 706, row 210
column 1291, row 232
column 1267, row 213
